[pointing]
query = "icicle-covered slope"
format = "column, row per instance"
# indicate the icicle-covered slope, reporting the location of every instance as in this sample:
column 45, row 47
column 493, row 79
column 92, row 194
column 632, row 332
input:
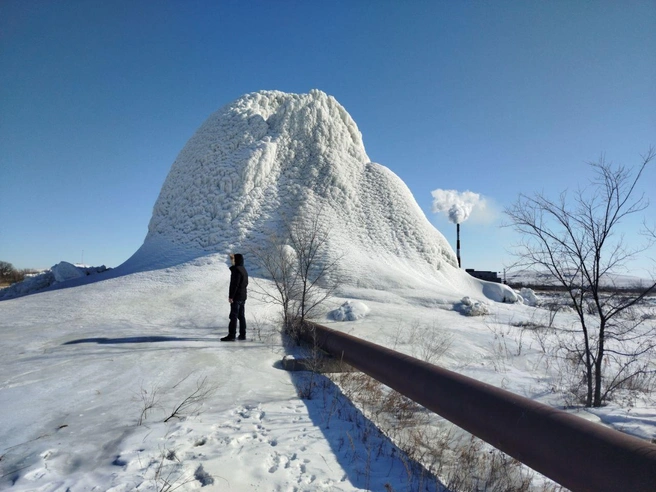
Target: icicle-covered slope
column 271, row 157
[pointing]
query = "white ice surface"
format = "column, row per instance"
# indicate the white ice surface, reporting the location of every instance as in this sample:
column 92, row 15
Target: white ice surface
column 271, row 157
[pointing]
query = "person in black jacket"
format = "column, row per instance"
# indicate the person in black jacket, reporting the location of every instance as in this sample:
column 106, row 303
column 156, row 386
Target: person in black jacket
column 237, row 298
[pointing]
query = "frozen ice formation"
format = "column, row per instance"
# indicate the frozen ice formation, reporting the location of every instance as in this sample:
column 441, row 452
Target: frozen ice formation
column 271, row 157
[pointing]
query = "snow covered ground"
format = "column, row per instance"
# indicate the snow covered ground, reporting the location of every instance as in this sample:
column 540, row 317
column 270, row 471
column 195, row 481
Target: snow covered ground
column 80, row 366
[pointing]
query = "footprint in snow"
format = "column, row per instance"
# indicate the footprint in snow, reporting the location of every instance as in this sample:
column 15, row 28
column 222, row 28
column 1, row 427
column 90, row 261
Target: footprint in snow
column 275, row 459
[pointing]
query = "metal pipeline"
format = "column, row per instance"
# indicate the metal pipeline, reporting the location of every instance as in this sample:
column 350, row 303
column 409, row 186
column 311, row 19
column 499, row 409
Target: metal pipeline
column 576, row 453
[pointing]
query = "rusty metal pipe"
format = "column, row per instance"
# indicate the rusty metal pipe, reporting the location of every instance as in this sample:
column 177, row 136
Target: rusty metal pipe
column 576, row 453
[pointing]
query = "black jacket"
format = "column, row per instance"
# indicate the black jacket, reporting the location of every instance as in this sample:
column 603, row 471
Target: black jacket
column 238, row 280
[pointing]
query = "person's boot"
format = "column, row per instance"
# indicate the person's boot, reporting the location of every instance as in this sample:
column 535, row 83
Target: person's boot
column 241, row 337
column 229, row 338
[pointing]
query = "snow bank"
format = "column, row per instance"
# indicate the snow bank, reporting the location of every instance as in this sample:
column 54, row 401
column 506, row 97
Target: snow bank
column 500, row 292
column 66, row 271
column 469, row 307
column 350, row 311
column 529, row 297
column 28, row 286
column 61, row 273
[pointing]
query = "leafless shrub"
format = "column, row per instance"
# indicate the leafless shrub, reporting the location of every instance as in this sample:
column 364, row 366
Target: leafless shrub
column 194, row 401
column 552, row 309
column 501, row 352
column 401, row 408
column 314, row 361
column 149, row 400
column 170, row 474
column 302, row 273
column 398, row 336
column 169, row 477
column 264, row 330
column 462, row 462
column 430, row 343
column 477, row 469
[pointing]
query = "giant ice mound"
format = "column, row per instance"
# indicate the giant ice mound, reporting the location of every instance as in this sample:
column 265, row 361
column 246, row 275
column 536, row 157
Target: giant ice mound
column 271, row 157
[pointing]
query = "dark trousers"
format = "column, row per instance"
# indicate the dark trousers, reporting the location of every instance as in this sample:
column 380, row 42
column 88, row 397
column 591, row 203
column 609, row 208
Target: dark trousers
column 237, row 313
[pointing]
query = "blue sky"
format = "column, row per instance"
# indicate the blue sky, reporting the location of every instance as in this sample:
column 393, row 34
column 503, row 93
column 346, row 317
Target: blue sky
column 97, row 99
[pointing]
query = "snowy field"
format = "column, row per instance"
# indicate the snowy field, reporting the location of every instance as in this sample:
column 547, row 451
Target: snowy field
column 81, row 366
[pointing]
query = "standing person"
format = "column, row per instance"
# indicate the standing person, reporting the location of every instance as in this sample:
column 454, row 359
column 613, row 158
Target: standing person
column 237, row 298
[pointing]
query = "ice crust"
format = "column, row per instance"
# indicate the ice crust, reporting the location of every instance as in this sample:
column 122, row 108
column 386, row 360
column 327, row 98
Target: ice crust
column 271, row 157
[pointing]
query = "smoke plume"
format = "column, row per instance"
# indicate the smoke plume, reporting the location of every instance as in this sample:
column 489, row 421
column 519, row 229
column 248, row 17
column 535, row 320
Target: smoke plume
column 456, row 205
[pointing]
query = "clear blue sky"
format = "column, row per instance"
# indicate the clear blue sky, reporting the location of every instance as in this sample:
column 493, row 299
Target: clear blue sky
column 97, row 99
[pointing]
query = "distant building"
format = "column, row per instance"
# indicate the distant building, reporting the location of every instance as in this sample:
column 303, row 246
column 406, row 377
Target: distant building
column 484, row 275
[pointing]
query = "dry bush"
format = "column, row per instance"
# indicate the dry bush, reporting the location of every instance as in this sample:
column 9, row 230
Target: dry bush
column 149, row 400
column 193, row 402
column 302, row 273
column 429, row 343
column 462, row 462
column 170, row 474
column 265, row 330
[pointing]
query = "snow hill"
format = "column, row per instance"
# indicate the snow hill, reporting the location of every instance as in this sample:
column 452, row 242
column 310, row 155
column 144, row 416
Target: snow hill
column 271, row 157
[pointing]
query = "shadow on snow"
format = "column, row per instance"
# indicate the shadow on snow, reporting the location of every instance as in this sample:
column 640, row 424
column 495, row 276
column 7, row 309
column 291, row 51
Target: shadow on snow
column 149, row 339
column 369, row 459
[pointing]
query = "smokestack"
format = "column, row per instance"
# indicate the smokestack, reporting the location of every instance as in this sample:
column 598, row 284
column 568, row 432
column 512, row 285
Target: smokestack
column 458, row 244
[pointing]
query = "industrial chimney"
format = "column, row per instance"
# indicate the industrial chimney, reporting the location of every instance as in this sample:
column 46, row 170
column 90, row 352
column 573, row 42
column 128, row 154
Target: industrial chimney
column 458, row 244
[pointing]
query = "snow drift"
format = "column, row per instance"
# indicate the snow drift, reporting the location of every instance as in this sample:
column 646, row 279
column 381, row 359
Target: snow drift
column 350, row 311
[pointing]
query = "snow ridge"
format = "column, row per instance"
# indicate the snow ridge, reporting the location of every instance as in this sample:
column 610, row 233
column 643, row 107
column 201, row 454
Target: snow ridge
column 270, row 156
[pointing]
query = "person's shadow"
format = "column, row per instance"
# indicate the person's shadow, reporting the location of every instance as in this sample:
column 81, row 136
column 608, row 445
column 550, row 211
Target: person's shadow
column 149, row 339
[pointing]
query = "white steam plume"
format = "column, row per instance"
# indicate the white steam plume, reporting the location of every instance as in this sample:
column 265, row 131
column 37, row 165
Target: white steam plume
column 457, row 205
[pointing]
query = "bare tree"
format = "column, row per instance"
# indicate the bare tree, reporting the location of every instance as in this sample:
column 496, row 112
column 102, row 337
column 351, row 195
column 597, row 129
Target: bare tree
column 6, row 269
column 276, row 259
column 315, row 271
column 300, row 268
column 579, row 243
